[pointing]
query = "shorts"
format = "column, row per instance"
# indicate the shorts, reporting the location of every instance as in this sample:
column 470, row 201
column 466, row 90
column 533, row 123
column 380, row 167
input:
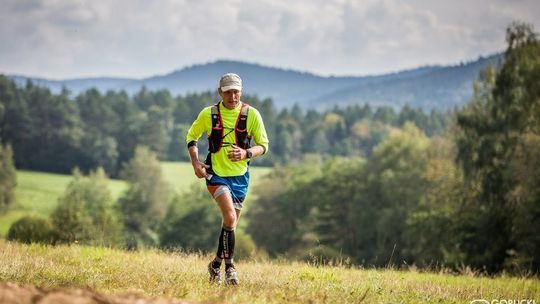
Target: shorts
column 236, row 186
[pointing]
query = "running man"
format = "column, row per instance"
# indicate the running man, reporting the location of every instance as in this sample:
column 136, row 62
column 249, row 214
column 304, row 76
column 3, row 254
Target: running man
column 230, row 126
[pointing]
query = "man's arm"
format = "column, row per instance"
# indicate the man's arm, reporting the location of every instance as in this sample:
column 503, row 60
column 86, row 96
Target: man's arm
column 198, row 166
column 256, row 151
column 194, row 133
column 259, row 135
column 238, row 153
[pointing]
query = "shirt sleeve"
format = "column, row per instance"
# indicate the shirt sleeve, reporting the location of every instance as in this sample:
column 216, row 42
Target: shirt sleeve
column 199, row 126
column 257, row 129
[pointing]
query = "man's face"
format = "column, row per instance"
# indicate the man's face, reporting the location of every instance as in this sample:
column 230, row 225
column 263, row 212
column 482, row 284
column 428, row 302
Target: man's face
column 231, row 98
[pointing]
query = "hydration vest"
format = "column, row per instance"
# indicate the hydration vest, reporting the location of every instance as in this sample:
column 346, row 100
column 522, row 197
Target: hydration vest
column 242, row 139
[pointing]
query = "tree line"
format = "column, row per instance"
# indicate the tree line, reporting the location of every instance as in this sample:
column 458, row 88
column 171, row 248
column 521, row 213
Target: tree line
column 57, row 132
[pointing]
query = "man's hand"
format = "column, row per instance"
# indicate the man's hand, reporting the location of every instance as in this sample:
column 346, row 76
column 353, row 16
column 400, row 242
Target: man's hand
column 200, row 169
column 237, row 153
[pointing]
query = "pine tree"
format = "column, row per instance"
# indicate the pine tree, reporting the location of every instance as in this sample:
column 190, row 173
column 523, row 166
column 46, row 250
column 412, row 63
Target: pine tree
column 8, row 178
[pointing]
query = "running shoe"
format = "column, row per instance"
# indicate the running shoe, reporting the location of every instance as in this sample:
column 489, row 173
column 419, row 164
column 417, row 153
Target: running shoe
column 231, row 276
column 215, row 274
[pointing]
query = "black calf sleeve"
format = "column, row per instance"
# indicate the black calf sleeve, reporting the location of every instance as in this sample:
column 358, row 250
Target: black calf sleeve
column 226, row 245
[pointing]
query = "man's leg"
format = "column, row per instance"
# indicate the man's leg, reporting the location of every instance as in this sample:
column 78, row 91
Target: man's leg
column 230, row 212
column 226, row 244
column 219, row 192
column 227, row 237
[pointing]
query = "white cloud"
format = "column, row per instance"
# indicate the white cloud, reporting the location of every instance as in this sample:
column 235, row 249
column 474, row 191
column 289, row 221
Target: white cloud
column 61, row 38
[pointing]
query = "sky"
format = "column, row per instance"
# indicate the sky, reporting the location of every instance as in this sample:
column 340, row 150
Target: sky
column 59, row 39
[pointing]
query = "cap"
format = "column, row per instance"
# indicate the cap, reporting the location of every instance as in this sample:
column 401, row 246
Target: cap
column 230, row 81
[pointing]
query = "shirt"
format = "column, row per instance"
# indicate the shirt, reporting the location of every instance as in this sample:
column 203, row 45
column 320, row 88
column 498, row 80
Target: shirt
column 221, row 164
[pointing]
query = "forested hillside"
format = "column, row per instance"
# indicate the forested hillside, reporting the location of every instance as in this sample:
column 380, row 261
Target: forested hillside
column 431, row 87
column 441, row 88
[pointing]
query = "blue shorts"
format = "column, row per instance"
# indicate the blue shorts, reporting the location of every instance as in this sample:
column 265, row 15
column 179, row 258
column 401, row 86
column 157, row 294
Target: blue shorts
column 236, row 186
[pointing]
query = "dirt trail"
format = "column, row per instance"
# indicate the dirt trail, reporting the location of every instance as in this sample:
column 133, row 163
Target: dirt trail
column 12, row 293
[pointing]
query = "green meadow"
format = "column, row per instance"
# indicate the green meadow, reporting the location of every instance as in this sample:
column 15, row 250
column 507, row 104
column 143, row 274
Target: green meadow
column 179, row 275
column 37, row 193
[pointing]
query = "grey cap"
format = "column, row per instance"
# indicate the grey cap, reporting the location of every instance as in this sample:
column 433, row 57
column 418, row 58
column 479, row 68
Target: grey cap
column 230, row 81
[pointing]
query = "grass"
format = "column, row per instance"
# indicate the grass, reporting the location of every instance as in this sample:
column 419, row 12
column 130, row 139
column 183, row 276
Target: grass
column 160, row 274
column 37, row 193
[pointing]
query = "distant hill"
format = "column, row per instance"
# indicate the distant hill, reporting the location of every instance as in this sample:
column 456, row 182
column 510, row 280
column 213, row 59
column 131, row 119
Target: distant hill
column 439, row 87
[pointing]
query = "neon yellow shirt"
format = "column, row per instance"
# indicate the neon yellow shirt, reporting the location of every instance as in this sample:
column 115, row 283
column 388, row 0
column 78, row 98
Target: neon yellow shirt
column 221, row 164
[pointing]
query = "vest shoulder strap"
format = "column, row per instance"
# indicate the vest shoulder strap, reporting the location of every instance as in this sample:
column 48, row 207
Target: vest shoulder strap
column 241, row 121
column 215, row 115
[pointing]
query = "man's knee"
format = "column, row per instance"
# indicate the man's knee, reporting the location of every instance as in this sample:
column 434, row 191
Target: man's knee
column 229, row 219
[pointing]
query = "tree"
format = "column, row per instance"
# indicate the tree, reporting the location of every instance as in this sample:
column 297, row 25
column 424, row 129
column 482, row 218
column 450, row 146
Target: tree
column 191, row 221
column 99, row 148
column 177, row 148
column 144, row 204
column 55, row 131
column 504, row 114
column 385, row 114
column 85, row 212
column 525, row 199
column 129, row 121
column 429, row 226
column 340, row 222
column 276, row 220
column 395, row 184
column 153, row 132
column 417, row 116
column 16, row 121
column 8, row 178
column 336, row 131
column 287, row 138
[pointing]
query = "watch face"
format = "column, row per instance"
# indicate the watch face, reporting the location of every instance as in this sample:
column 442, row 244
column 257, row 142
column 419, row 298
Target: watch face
column 249, row 154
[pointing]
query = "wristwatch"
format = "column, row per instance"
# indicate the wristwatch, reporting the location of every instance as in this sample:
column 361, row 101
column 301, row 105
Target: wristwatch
column 248, row 154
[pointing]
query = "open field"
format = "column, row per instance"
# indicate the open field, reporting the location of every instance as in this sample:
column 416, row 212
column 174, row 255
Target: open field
column 152, row 273
column 37, row 193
